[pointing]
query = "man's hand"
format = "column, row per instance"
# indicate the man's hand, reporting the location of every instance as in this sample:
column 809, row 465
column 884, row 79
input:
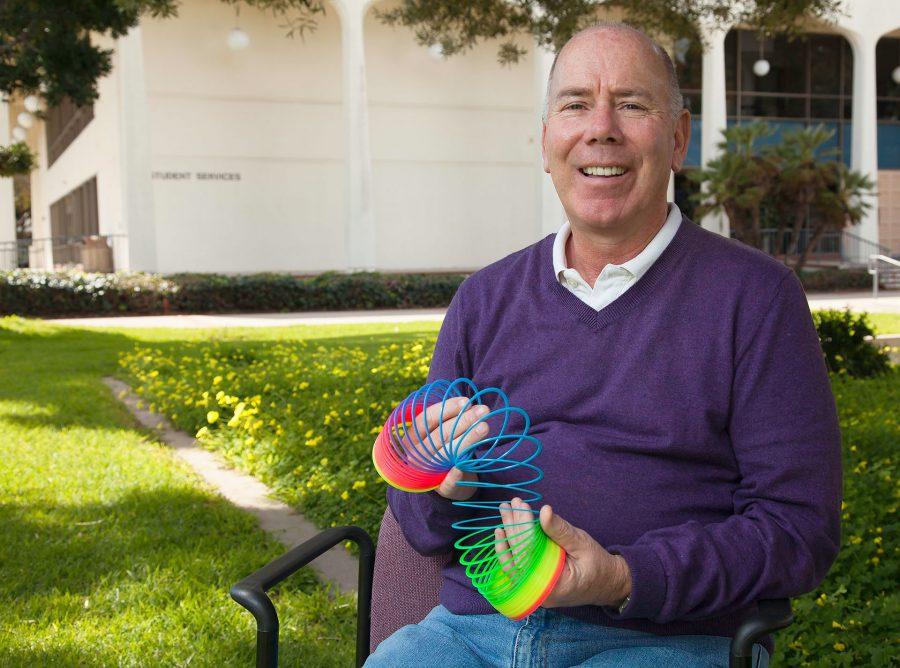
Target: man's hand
column 427, row 423
column 591, row 576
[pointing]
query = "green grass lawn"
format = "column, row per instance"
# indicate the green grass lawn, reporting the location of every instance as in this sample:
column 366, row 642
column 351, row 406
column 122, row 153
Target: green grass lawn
column 885, row 323
column 113, row 553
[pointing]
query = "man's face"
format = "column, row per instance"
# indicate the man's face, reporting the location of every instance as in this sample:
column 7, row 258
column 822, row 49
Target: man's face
column 609, row 108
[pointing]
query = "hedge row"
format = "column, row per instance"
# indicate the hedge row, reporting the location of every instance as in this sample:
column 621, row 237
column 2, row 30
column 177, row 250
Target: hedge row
column 40, row 293
column 29, row 292
column 831, row 280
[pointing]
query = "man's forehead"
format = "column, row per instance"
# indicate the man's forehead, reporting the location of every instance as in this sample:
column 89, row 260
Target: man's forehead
column 582, row 56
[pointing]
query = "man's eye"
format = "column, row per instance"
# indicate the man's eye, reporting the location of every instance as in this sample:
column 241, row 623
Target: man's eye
column 574, row 105
column 633, row 105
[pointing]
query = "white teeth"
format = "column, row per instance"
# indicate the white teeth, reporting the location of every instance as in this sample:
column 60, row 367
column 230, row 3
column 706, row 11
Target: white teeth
column 604, row 171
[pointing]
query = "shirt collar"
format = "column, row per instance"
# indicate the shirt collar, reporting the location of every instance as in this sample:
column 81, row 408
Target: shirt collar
column 640, row 263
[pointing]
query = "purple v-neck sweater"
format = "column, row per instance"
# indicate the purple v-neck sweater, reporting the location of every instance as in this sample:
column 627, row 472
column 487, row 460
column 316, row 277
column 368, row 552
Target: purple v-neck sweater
column 689, row 426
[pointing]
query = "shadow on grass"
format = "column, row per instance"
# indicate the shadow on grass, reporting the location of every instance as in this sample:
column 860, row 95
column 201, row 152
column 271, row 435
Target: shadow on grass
column 70, row 547
column 135, row 577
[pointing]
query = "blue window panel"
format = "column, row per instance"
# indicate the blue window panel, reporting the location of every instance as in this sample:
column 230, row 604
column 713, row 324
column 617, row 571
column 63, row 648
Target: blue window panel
column 848, row 140
column 888, row 146
column 692, row 159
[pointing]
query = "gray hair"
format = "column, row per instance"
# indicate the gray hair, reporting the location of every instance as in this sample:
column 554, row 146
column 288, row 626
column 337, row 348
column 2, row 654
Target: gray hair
column 676, row 101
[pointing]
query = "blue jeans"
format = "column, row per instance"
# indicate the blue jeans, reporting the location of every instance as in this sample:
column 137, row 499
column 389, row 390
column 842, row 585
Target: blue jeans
column 544, row 639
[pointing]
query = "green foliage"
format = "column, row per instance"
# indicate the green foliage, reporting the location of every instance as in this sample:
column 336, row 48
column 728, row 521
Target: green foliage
column 113, row 553
column 35, row 292
column 842, row 335
column 15, row 159
column 831, row 279
column 40, row 293
column 785, row 184
column 47, row 45
column 851, row 618
column 459, row 26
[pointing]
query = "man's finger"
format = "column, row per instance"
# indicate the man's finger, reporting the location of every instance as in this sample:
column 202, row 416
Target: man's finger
column 450, row 432
column 559, row 531
column 429, row 419
column 423, row 437
column 522, row 518
column 502, row 548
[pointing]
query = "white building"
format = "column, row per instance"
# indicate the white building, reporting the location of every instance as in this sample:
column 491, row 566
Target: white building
column 356, row 148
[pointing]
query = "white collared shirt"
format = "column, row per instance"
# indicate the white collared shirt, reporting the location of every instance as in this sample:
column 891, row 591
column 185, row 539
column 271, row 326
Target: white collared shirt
column 615, row 279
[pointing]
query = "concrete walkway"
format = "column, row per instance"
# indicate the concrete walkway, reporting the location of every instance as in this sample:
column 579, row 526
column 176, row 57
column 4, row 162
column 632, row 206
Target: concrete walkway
column 246, row 492
column 258, row 319
column 889, row 302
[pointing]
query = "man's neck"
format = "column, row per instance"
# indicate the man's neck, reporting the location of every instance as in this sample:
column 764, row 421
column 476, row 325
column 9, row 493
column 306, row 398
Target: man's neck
column 589, row 251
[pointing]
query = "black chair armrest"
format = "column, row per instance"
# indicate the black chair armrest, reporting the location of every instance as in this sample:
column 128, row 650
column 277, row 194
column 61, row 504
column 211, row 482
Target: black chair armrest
column 771, row 616
column 251, row 591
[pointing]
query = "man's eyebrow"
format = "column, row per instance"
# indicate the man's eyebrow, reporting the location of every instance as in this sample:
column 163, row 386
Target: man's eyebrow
column 573, row 92
column 586, row 92
column 633, row 92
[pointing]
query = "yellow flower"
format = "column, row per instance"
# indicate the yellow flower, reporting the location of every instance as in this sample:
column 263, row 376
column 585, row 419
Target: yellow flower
column 203, row 431
column 839, row 647
column 359, row 484
column 212, row 416
column 217, row 380
column 345, row 495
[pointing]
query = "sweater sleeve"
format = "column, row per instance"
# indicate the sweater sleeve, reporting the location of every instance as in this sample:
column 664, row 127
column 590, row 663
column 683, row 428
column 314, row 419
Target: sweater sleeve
column 426, row 518
column 785, row 531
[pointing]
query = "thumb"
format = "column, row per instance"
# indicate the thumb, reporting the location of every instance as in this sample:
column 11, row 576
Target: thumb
column 559, row 531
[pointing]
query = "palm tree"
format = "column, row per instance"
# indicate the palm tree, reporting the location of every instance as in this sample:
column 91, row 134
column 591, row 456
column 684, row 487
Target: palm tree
column 804, row 172
column 738, row 181
column 840, row 204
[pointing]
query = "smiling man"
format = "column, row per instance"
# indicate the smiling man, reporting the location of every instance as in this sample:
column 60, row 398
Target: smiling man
column 691, row 446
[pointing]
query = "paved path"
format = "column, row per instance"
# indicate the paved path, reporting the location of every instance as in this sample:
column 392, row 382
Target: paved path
column 258, row 319
column 246, row 492
column 889, row 302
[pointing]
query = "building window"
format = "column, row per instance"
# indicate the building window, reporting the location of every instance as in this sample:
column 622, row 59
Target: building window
column 63, row 124
column 887, row 58
column 72, row 218
column 810, row 82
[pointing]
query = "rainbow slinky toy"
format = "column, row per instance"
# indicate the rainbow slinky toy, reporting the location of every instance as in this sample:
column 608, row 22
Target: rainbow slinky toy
column 418, row 462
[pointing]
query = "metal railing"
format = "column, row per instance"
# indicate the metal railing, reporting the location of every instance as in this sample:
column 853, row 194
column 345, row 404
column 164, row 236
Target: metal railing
column 893, row 269
column 99, row 253
column 14, row 254
column 839, row 247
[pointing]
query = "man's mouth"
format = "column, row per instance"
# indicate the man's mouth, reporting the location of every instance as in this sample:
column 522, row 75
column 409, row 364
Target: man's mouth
column 608, row 171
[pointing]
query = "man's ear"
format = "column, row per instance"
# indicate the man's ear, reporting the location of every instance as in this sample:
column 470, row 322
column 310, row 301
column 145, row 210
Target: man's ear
column 682, row 139
column 544, row 147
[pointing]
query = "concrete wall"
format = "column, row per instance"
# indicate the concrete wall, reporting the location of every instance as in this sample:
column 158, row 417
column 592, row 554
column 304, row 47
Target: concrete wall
column 889, row 209
column 454, row 144
column 270, row 114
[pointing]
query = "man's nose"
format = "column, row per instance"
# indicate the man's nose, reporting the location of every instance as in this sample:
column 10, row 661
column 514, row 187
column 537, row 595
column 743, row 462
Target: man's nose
column 603, row 126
